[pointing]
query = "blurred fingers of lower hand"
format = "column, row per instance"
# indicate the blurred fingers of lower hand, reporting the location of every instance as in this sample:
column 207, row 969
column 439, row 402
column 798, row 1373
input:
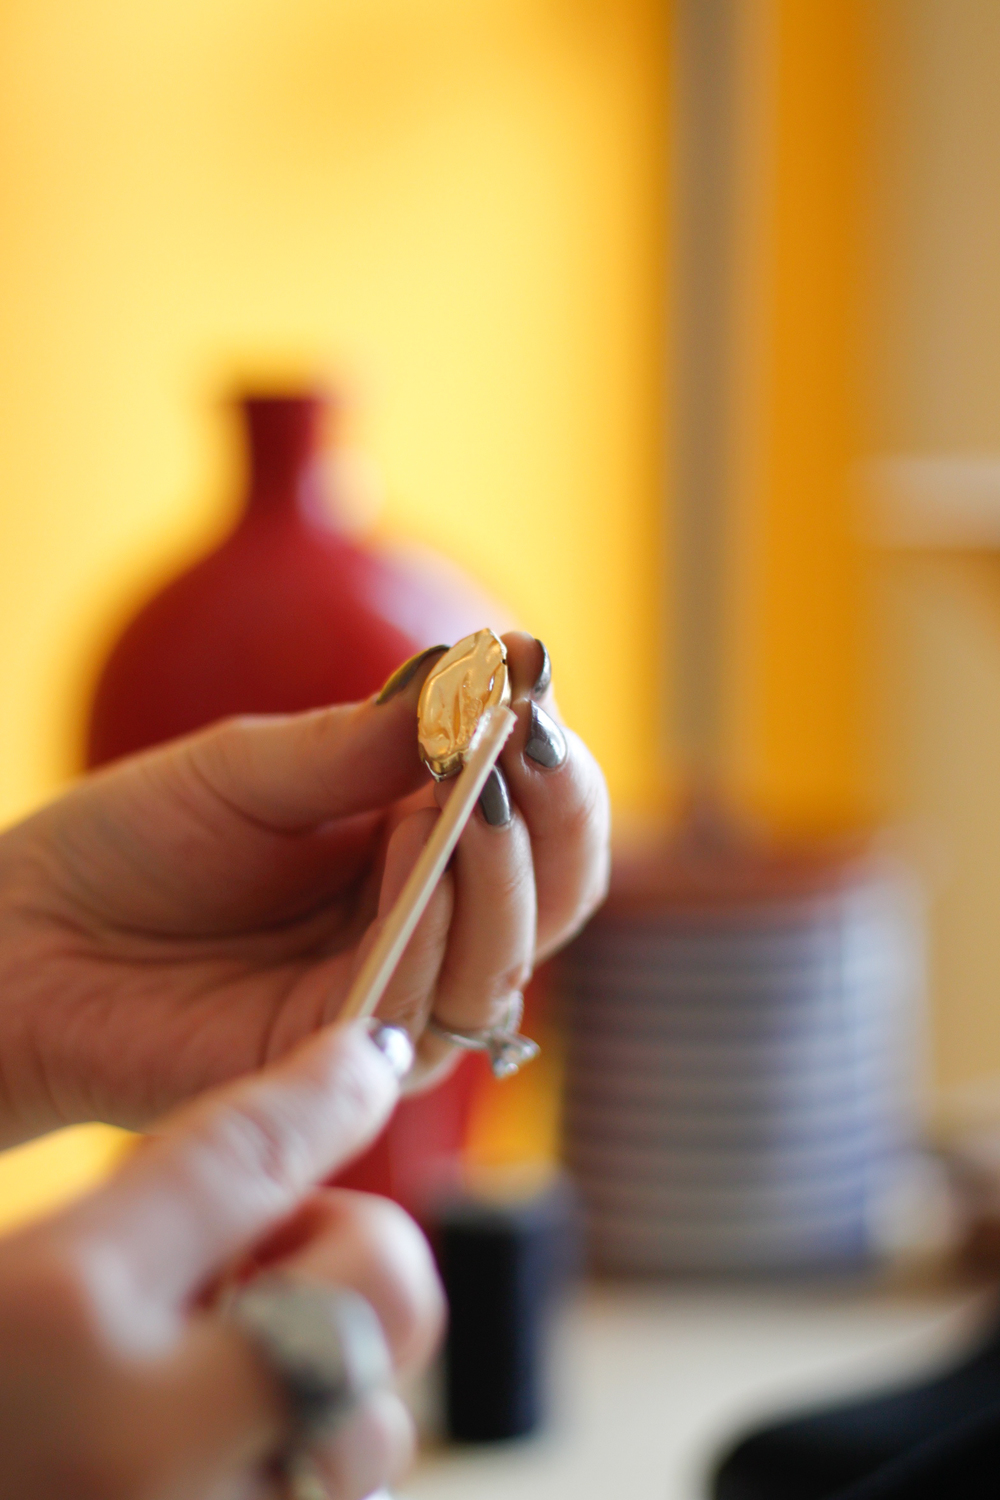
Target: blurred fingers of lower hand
column 211, row 1420
column 371, row 1449
column 150, row 1397
column 369, row 1244
column 82, row 1415
column 223, row 1171
column 208, row 1416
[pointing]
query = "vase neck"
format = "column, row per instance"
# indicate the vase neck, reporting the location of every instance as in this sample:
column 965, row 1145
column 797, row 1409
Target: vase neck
column 283, row 437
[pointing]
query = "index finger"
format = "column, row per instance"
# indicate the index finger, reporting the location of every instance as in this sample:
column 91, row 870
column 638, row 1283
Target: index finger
column 228, row 1168
column 292, row 771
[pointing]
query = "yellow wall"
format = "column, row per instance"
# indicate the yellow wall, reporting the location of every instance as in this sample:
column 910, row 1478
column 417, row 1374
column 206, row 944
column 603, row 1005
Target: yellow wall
column 458, row 207
column 798, row 633
column 448, row 203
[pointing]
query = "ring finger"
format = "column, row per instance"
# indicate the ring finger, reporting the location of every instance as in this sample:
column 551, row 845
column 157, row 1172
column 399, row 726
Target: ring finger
column 491, row 940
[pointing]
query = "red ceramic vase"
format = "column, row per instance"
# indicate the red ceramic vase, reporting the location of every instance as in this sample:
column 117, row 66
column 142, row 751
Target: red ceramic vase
column 287, row 614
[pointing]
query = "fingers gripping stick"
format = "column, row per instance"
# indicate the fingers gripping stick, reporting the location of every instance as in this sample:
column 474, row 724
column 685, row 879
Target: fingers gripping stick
column 375, row 973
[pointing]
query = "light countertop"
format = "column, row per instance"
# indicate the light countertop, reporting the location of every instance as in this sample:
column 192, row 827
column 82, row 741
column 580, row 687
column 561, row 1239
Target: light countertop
column 651, row 1380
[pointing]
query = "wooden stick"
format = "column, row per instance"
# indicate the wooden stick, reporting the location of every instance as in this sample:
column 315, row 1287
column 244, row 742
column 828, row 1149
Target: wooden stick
column 379, row 967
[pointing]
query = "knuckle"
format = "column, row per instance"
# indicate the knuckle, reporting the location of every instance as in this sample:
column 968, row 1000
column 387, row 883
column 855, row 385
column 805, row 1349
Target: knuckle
column 217, row 745
column 359, row 1089
column 262, row 1142
column 587, row 830
column 224, row 748
column 383, row 1226
column 322, row 725
column 587, row 815
column 513, row 886
column 515, row 978
column 236, row 727
column 401, row 1275
column 277, row 1138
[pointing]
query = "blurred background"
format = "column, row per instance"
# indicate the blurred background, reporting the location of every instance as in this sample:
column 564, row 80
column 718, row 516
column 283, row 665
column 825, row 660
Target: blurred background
column 466, row 216
column 457, row 211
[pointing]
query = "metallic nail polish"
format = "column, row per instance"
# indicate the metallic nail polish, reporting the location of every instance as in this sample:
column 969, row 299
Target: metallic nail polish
column 494, row 800
column 546, row 744
column 544, row 678
column 393, row 1043
column 405, row 674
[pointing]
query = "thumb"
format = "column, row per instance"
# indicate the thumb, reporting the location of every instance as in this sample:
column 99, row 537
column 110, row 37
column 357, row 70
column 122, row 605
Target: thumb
column 227, row 1168
column 291, row 771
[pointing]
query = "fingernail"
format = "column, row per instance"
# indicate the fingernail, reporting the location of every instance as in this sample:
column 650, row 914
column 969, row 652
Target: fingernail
column 404, row 674
column 544, row 678
column 494, row 800
column 546, row 744
column 393, row 1043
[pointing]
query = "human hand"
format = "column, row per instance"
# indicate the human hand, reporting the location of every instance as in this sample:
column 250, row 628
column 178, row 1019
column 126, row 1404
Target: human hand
column 185, row 916
column 120, row 1380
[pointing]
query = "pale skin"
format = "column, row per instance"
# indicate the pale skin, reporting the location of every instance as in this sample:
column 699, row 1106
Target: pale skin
column 118, row 1381
column 194, row 917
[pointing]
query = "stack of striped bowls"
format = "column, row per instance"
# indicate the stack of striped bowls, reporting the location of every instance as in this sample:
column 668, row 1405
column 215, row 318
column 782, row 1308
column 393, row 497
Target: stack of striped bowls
column 743, row 1044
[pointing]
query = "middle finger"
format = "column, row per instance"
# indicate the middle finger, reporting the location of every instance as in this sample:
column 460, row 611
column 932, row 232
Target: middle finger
column 491, row 941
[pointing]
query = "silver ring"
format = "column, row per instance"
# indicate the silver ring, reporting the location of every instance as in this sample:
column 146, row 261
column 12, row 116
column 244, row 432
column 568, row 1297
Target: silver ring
column 506, row 1048
column 324, row 1344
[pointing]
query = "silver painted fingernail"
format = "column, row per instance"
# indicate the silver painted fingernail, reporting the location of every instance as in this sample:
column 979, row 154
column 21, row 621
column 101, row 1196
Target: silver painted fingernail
column 494, row 800
column 405, row 674
column 544, row 679
column 546, row 744
column 393, row 1043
